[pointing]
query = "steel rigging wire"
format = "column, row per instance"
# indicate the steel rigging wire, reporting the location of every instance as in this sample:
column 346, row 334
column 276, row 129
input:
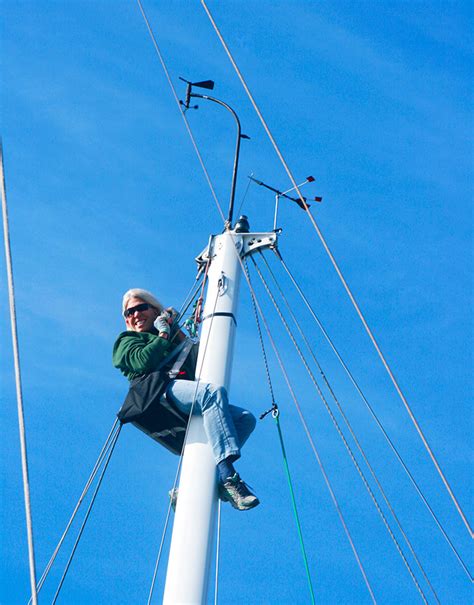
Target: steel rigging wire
column 340, row 274
column 308, row 435
column 372, row 412
column 244, row 196
column 19, row 393
column 89, row 482
column 344, row 440
column 108, row 456
column 348, row 424
column 183, row 115
column 189, row 298
column 306, row 429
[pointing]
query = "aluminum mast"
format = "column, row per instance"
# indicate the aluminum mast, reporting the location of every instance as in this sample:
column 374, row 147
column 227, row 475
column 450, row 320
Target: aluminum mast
column 193, row 529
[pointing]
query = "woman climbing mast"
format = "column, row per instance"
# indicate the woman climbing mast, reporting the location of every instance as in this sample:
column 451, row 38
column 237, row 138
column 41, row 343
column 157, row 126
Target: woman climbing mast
column 150, row 337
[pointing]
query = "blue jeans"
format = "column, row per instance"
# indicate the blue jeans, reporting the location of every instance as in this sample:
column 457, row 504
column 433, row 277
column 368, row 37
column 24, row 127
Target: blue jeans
column 227, row 427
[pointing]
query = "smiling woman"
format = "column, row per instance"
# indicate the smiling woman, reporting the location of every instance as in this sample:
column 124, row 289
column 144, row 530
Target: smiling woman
column 140, row 309
column 140, row 316
column 105, row 193
column 144, row 354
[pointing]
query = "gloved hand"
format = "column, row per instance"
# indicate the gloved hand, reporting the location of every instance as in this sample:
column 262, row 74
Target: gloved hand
column 162, row 323
column 173, row 313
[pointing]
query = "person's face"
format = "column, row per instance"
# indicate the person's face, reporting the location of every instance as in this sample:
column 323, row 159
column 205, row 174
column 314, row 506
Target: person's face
column 140, row 320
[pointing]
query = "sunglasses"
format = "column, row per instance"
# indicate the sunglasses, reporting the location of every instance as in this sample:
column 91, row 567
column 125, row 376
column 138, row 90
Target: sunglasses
column 137, row 308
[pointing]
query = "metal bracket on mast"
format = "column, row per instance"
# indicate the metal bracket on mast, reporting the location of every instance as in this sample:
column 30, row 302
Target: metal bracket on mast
column 245, row 243
column 259, row 241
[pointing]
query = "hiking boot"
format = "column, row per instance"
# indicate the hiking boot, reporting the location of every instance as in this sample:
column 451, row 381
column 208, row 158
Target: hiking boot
column 238, row 494
column 221, row 492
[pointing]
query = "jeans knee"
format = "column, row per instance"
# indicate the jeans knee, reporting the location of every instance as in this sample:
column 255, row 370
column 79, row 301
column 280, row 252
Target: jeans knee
column 212, row 388
column 214, row 395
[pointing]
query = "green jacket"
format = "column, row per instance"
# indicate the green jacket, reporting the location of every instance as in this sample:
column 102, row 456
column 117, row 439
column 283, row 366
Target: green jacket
column 139, row 353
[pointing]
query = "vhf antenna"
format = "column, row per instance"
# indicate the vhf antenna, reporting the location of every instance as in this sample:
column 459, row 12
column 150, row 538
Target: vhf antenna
column 279, row 194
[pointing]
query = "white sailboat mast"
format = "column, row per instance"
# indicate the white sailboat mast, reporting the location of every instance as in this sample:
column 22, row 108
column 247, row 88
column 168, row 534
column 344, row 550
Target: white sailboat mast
column 193, row 529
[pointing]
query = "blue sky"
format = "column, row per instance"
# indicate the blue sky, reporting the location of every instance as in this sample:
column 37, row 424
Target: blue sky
column 372, row 98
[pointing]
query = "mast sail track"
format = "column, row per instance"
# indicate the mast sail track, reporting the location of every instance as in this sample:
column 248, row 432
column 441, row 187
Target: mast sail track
column 193, row 530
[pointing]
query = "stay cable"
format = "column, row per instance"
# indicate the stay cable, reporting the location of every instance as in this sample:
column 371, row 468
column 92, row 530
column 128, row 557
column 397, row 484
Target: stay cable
column 373, row 414
column 350, row 428
column 19, row 393
column 340, row 274
column 310, row 437
column 343, row 438
column 183, row 115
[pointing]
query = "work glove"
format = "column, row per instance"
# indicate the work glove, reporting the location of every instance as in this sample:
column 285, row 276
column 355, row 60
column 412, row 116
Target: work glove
column 162, row 323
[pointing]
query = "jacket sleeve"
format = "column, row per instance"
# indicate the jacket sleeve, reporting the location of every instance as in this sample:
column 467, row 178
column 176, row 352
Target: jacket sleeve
column 133, row 354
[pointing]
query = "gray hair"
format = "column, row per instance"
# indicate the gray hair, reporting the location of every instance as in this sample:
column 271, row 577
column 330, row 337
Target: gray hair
column 143, row 295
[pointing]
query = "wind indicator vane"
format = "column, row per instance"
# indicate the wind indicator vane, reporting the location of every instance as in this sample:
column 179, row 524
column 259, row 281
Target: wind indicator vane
column 209, row 85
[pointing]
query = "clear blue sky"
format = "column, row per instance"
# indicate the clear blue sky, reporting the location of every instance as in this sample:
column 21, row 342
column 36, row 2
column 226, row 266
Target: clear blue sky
column 372, row 98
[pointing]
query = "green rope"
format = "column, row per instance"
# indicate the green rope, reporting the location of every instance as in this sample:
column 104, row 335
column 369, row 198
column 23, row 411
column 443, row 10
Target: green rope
column 274, row 411
column 276, row 415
